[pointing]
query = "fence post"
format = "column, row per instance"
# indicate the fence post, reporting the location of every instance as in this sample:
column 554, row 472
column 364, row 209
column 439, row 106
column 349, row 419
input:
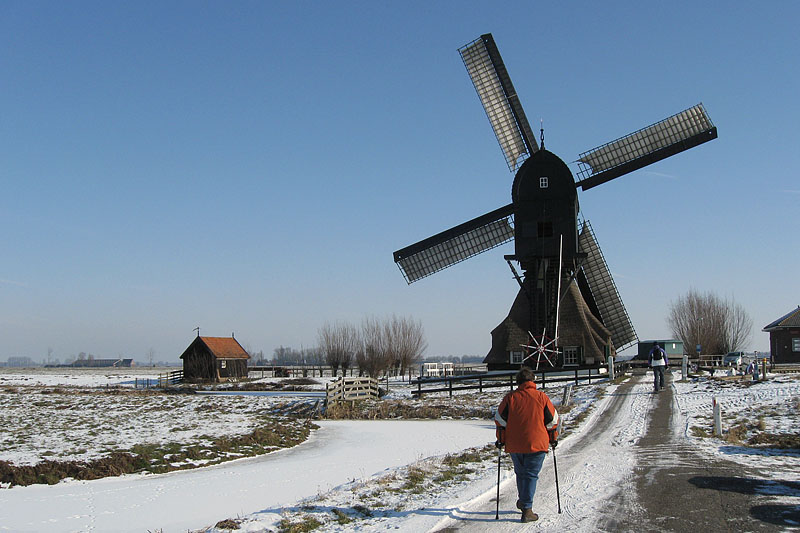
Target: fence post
column 450, row 386
column 480, row 384
column 717, row 417
column 611, row 373
column 685, row 367
column 567, row 395
column 576, row 377
column 419, row 387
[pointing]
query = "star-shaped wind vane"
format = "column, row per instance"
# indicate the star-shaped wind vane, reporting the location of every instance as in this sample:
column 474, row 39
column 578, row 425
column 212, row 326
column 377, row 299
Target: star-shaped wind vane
column 543, row 348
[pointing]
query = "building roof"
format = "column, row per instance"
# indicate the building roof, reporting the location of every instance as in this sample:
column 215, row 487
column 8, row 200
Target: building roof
column 789, row 320
column 225, row 347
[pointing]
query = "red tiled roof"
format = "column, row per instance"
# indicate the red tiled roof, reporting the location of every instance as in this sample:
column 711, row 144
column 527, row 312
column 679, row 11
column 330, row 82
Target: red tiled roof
column 225, row 347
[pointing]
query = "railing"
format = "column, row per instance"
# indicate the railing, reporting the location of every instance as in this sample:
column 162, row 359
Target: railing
column 351, row 389
column 170, row 378
column 497, row 379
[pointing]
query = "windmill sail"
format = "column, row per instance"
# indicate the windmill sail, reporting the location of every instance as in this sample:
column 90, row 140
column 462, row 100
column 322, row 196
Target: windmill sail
column 499, row 99
column 672, row 135
column 604, row 291
column 456, row 244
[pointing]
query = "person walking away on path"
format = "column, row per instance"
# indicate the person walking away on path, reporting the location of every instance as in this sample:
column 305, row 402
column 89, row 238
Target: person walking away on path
column 658, row 362
column 527, row 425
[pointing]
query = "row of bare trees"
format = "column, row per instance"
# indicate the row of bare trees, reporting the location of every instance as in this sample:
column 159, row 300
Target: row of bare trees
column 718, row 325
column 377, row 347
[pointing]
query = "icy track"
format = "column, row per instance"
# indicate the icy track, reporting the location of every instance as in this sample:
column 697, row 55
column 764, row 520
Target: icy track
column 338, row 452
column 593, row 464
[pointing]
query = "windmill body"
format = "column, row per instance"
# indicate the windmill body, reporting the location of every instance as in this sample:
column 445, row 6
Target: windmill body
column 566, row 289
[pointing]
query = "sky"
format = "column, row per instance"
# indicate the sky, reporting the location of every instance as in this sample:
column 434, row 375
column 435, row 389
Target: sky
column 250, row 167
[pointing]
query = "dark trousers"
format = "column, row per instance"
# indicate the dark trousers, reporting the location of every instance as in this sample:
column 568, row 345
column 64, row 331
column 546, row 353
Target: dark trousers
column 527, row 467
column 658, row 377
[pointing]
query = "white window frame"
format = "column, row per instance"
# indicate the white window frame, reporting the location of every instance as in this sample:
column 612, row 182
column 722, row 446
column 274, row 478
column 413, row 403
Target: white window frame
column 571, row 355
column 515, row 357
column 544, row 182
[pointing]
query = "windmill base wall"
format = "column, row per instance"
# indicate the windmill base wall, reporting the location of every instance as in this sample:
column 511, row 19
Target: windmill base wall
column 578, row 327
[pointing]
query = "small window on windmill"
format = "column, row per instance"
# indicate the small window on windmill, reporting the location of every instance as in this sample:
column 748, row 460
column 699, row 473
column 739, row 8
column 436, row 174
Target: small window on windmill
column 544, row 229
column 544, row 182
column 516, row 358
column 570, row 356
column 796, row 344
column 223, row 363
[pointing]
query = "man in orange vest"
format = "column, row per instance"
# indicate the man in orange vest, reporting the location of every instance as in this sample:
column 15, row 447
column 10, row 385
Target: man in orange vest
column 526, row 424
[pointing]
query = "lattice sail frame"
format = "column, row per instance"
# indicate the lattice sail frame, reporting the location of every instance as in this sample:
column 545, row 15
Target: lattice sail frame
column 604, row 290
column 456, row 244
column 658, row 141
column 499, row 99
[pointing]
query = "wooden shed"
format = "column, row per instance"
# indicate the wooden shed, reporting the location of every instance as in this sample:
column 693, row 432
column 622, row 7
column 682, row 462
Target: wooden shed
column 784, row 337
column 214, row 359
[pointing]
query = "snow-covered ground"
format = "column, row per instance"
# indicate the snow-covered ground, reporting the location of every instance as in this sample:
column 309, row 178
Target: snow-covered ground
column 339, row 451
column 414, row 475
column 76, row 424
column 80, row 377
column 771, row 406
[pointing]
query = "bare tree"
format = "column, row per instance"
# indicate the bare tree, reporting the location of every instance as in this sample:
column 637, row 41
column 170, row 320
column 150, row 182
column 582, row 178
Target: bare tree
column 408, row 342
column 719, row 326
column 150, row 354
column 375, row 360
column 338, row 343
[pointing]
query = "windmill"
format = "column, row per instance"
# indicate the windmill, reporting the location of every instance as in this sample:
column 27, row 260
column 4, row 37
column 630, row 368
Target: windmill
column 566, row 289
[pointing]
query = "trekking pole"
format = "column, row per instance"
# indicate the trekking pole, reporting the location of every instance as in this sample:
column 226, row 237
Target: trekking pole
column 555, row 468
column 499, row 455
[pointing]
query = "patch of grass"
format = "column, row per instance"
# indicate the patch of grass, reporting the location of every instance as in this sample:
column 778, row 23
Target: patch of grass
column 341, row 516
column 306, row 523
column 395, row 409
column 784, row 441
column 415, row 478
column 736, row 433
column 365, row 511
column 700, row 432
column 228, row 523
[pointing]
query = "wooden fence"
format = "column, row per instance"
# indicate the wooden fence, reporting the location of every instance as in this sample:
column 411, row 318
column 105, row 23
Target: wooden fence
column 351, row 389
column 496, row 379
column 171, row 378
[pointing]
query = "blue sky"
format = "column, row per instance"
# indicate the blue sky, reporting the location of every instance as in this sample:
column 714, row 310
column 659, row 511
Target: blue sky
column 250, row 167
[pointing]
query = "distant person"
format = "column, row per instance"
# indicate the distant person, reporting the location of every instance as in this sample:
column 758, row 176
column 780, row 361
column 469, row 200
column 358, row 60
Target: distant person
column 658, row 362
column 527, row 425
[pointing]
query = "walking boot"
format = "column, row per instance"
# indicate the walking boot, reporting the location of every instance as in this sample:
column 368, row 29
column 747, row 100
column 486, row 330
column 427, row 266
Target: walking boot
column 529, row 516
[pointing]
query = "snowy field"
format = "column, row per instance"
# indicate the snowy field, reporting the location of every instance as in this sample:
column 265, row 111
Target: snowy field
column 767, row 407
column 352, row 475
column 79, row 377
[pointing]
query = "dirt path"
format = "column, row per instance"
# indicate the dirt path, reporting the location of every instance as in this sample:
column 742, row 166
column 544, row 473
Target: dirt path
column 677, row 489
column 633, row 449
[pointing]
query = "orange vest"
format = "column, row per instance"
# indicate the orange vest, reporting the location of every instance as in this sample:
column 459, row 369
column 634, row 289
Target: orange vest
column 524, row 418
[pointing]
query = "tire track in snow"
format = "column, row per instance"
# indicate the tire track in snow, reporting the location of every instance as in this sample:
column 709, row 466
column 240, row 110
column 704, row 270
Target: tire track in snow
column 594, row 462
